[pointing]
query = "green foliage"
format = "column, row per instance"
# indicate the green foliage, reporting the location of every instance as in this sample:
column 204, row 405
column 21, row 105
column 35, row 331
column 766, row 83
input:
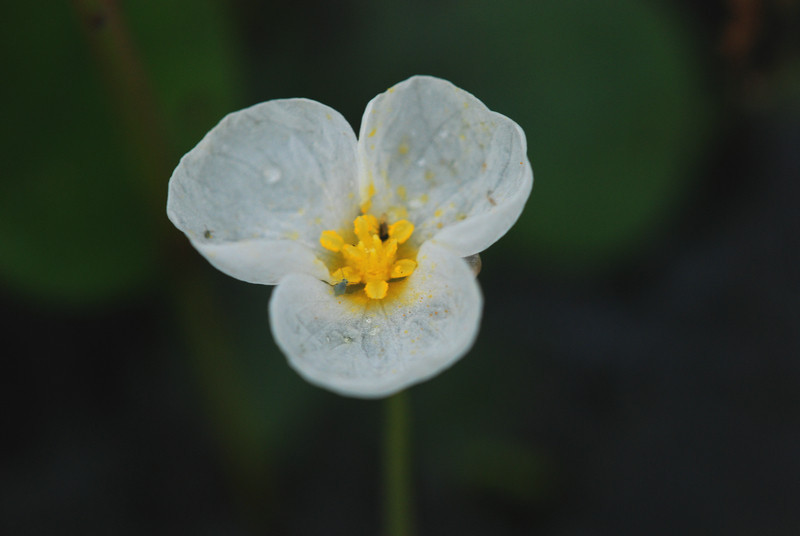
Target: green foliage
column 72, row 202
column 190, row 52
column 608, row 93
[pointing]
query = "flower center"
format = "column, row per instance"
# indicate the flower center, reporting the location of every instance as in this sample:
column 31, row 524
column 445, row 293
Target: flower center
column 372, row 261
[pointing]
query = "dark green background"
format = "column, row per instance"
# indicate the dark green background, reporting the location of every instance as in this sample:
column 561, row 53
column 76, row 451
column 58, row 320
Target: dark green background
column 638, row 363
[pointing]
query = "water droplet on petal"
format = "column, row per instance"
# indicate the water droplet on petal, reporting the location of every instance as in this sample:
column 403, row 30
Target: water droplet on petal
column 272, row 174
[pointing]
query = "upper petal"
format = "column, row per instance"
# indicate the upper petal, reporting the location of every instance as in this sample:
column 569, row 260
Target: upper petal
column 254, row 195
column 459, row 169
column 372, row 348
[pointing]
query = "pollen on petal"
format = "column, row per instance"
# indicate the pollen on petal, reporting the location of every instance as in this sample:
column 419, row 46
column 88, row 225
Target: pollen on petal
column 367, row 199
column 331, row 240
column 401, row 230
column 376, row 289
column 403, row 268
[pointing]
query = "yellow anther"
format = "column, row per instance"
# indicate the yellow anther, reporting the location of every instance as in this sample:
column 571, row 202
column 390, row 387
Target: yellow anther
column 376, row 289
column 403, row 268
column 372, row 261
column 331, row 240
column 354, row 256
column 390, row 248
column 349, row 273
column 365, row 226
column 401, row 230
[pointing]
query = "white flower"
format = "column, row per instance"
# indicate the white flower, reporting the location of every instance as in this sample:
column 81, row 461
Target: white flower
column 364, row 238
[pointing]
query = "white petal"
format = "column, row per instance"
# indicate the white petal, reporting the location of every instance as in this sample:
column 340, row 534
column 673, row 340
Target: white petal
column 262, row 261
column 254, row 195
column 459, row 169
column 373, row 348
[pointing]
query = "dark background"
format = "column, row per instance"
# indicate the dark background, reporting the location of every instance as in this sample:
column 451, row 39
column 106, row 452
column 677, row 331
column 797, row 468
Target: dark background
column 638, row 364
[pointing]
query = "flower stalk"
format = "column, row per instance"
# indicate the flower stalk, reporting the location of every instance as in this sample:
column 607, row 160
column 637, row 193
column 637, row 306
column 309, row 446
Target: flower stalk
column 398, row 511
column 131, row 94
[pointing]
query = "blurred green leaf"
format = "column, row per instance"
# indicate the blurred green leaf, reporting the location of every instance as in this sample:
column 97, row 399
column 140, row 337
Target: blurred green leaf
column 609, row 94
column 72, row 204
column 72, row 229
column 190, row 50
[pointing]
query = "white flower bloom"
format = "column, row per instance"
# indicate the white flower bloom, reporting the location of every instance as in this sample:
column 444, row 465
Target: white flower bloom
column 364, row 238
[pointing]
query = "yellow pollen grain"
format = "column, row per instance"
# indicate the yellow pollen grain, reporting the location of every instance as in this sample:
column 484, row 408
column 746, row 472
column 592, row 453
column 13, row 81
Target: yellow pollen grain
column 367, row 203
column 372, row 132
column 403, row 148
column 401, row 192
column 397, row 212
column 437, row 213
column 429, row 175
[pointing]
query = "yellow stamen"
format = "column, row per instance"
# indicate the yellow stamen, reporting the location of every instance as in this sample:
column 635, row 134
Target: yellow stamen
column 365, row 226
column 376, row 289
column 403, row 268
column 349, row 273
column 372, row 262
column 401, row 230
column 331, row 240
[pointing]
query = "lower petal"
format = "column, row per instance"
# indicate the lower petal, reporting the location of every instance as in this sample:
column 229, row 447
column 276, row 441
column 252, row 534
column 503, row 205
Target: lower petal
column 373, row 348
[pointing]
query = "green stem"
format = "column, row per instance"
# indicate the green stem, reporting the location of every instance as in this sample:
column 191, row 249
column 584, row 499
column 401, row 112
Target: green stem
column 133, row 99
column 131, row 94
column 398, row 516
